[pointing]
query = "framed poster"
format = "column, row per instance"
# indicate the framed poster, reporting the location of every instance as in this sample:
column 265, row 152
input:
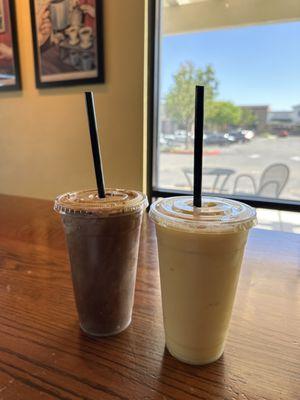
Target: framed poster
column 9, row 57
column 68, row 42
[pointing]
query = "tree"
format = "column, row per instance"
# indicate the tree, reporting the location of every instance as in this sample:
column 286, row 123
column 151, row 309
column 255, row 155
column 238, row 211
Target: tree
column 248, row 119
column 223, row 114
column 180, row 100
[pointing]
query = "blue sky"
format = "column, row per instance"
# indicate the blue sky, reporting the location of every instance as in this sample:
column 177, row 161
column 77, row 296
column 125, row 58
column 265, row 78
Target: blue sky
column 254, row 65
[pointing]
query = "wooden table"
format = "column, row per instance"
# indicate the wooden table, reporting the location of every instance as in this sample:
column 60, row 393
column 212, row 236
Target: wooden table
column 44, row 355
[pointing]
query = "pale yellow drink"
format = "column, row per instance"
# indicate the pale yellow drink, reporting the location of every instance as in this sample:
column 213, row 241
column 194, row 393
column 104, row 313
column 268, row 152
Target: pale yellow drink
column 200, row 255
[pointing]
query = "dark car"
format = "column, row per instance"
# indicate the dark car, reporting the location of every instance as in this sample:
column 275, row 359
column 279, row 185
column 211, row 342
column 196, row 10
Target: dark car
column 216, row 139
column 236, row 137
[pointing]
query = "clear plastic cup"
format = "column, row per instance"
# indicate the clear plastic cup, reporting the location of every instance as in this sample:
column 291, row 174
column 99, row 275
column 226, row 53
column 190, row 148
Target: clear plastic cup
column 103, row 242
column 200, row 255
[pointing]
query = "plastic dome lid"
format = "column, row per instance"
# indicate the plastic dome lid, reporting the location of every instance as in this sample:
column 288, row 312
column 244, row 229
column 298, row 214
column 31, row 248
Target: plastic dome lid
column 87, row 202
column 216, row 214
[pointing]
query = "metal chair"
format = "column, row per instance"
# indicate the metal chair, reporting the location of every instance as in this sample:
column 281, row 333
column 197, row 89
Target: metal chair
column 220, row 177
column 272, row 181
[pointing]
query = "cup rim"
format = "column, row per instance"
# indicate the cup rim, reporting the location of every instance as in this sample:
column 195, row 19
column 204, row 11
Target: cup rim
column 87, row 203
column 217, row 215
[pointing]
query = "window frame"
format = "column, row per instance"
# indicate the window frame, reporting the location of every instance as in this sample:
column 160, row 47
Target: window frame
column 154, row 32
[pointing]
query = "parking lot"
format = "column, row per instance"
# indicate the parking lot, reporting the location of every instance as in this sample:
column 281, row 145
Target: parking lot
column 245, row 158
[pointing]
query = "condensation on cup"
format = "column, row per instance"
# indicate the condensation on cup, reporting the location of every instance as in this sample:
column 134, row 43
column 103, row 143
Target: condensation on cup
column 200, row 255
column 103, row 242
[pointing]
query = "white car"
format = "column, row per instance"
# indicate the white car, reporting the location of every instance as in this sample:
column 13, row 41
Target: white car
column 180, row 136
column 248, row 134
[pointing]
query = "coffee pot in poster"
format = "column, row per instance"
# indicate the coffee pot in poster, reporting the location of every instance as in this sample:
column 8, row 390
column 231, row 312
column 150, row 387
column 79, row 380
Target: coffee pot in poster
column 76, row 17
column 60, row 14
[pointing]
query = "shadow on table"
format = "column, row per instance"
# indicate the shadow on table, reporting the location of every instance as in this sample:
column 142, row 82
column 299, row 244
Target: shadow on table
column 203, row 381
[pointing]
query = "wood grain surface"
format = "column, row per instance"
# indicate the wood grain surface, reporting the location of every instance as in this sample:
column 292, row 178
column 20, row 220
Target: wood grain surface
column 44, row 355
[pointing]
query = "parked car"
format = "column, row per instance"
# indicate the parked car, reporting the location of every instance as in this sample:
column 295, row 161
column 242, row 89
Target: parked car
column 248, row 134
column 180, row 136
column 283, row 133
column 162, row 141
column 169, row 139
column 218, row 139
column 236, row 137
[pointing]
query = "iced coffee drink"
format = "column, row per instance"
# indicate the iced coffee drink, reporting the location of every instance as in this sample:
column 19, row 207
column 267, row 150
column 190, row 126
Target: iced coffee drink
column 200, row 255
column 103, row 241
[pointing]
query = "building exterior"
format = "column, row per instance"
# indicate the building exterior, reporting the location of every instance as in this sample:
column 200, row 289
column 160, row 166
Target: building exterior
column 261, row 113
column 266, row 120
column 274, row 121
column 296, row 114
column 285, row 120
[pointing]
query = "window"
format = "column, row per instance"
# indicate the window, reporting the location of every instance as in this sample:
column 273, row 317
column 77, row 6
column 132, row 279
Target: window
column 249, row 60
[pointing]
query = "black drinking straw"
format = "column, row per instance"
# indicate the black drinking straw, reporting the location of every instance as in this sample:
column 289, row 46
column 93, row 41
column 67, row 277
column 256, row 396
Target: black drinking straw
column 90, row 108
column 198, row 145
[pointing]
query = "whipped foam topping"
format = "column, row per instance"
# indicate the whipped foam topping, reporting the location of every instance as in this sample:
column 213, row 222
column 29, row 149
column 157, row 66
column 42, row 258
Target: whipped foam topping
column 116, row 201
column 216, row 214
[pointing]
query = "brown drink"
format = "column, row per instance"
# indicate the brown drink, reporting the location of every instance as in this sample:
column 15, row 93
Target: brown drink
column 103, row 241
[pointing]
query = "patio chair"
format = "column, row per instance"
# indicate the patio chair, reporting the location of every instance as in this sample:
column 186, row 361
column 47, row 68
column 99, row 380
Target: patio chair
column 272, row 181
column 220, row 177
